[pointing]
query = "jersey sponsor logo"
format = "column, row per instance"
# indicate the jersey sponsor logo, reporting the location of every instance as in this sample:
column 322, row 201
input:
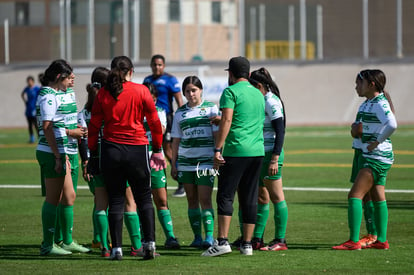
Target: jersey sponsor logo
column 184, row 114
column 49, row 102
column 70, row 119
column 194, row 132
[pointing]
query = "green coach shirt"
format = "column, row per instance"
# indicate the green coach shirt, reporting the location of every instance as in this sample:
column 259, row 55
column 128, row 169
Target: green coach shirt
column 245, row 138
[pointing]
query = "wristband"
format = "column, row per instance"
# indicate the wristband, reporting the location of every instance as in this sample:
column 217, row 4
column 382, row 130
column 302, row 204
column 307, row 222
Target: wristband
column 156, row 150
column 218, row 150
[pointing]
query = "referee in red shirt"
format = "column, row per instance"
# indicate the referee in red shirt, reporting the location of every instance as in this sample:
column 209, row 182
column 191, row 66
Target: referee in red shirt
column 121, row 107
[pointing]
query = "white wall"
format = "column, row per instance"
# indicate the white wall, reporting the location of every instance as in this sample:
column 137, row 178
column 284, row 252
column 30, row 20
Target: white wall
column 313, row 94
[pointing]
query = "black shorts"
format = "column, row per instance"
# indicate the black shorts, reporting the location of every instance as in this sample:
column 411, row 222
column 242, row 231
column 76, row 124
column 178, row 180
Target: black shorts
column 121, row 163
column 239, row 174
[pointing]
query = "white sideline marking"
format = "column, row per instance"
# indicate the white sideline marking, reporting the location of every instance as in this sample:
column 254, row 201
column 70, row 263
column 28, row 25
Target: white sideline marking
column 84, row 187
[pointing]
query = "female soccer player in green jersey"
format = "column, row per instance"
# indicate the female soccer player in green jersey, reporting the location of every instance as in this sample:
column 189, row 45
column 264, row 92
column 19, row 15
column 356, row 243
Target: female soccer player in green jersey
column 159, row 181
column 378, row 123
column 74, row 133
column 271, row 175
column 192, row 157
column 51, row 153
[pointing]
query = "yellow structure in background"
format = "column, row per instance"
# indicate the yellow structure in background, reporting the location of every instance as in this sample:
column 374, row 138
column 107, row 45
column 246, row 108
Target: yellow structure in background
column 279, row 49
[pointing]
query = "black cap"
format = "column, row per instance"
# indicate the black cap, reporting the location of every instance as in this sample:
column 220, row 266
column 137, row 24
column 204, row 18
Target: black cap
column 239, row 66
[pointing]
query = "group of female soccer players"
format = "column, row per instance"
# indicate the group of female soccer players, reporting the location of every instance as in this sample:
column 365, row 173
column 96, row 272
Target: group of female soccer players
column 125, row 174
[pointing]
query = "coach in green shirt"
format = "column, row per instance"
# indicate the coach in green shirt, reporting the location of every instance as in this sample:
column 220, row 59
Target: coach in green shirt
column 238, row 155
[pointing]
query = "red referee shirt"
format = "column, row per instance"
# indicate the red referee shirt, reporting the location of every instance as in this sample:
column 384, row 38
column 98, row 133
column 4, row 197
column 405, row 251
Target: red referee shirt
column 123, row 118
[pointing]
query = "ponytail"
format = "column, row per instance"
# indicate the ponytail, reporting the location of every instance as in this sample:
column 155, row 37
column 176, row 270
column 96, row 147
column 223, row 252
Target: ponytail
column 263, row 76
column 120, row 67
column 387, row 95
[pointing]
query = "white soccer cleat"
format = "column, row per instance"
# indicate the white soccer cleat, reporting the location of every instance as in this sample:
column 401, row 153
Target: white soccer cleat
column 246, row 249
column 217, row 250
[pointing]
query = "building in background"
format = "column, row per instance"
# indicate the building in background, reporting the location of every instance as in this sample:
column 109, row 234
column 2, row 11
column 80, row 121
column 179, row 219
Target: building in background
column 182, row 30
column 205, row 30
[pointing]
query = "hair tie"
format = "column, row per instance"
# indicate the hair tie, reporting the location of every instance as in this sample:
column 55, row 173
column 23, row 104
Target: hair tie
column 96, row 85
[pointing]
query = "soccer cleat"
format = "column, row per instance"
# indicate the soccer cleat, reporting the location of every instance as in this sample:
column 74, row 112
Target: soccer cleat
column 116, row 256
column 257, row 243
column 197, row 242
column 367, row 240
column 246, row 249
column 237, row 242
column 96, row 244
column 75, row 247
column 59, row 243
column 105, row 253
column 172, row 243
column 179, row 192
column 348, row 245
column 275, row 245
column 209, row 241
column 137, row 252
column 149, row 251
column 53, row 250
column 217, row 250
column 379, row 245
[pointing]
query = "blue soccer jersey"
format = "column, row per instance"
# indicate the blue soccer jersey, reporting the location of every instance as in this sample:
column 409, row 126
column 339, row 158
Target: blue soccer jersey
column 166, row 85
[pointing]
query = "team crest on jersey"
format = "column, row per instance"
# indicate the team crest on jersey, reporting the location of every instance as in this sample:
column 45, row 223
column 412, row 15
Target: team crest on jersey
column 160, row 82
column 203, row 112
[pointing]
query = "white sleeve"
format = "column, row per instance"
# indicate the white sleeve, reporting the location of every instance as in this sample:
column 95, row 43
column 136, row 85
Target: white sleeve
column 175, row 128
column 215, row 112
column 273, row 108
column 387, row 118
column 163, row 117
column 81, row 119
column 387, row 130
column 48, row 107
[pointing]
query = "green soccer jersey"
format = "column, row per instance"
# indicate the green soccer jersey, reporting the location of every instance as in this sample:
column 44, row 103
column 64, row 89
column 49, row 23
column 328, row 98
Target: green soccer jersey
column 192, row 125
column 50, row 107
column 273, row 110
column 374, row 114
column 71, row 113
column 245, row 138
